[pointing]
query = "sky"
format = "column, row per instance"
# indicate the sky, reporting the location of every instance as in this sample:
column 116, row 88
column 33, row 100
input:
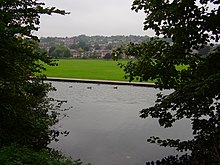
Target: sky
column 92, row 17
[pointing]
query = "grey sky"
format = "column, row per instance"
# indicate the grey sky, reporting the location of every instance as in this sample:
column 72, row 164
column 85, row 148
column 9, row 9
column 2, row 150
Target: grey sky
column 92, row 17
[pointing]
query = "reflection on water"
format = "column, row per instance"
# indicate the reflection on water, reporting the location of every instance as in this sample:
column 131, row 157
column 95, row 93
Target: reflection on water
column 105, row 127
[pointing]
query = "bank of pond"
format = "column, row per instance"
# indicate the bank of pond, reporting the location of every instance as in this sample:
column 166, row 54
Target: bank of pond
column 86, row 69
column 90, row 69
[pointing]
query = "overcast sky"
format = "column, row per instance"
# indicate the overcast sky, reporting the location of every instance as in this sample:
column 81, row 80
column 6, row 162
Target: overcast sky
column 92, row 17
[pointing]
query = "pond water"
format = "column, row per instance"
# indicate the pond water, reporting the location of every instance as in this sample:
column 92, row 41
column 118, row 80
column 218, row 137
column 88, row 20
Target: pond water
column 105, row 127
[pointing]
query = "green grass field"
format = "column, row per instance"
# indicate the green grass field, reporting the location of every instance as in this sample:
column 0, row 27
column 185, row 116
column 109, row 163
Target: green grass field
column 86, row 69
column 89, row 69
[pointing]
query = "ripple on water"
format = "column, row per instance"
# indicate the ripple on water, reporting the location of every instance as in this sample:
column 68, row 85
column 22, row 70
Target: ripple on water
column 105, row 127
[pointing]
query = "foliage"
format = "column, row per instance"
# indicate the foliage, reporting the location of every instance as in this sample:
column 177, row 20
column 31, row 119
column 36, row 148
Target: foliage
column 90, row 43
column 107, row 56
column 192, row 25
column 59, row 51
column 81, row 45
column 24, row 107
column 22, row 155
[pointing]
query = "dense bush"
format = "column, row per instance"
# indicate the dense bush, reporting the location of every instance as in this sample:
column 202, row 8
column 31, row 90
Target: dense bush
column 22, row 155
column 24, row 106
column 59, row 51
column 27, row 114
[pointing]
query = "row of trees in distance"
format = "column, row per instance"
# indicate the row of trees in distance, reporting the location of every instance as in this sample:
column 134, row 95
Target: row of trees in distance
column 83, row 46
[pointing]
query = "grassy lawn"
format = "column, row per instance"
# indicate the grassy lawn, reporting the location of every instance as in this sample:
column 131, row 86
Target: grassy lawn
column 89, row 69
column 86, row 69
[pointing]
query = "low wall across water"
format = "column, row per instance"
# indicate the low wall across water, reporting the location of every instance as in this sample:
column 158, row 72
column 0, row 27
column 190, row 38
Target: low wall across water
column 143, row 84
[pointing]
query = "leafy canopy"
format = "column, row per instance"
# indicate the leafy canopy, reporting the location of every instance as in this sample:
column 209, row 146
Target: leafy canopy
column 192, row 25
column 25, row 110
column 22, row 155
column 59, row 51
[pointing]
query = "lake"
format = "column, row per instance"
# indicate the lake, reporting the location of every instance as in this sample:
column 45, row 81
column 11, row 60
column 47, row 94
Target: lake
column 105, row 127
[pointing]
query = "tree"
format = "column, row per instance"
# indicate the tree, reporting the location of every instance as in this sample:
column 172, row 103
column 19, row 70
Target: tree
column 107, row 56
column 97, row 47
column 81, row 45
column 25, row 109
column 24, row 155
column 192, row 25
column 59, row 51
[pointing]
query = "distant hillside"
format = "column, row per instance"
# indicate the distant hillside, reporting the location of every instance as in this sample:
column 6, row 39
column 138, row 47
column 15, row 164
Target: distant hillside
column 93, row 41
column 83, row 46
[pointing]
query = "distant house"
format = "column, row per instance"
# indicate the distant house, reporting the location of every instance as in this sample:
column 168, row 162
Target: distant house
column 75, row 53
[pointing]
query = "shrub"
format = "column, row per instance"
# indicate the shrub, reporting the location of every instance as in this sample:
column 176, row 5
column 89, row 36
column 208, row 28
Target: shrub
column 23, row 155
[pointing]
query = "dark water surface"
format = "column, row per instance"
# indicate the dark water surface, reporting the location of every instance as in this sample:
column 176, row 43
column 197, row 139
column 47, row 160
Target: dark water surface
column 105, row 127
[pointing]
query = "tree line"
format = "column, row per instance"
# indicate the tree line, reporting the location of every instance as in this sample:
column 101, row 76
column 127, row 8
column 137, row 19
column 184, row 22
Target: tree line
column 83, row 46
column 27, row 113
column 194, row 29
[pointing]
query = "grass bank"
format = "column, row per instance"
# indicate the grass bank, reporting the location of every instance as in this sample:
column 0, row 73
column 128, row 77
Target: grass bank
column 86, row 69
column 89, row 69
